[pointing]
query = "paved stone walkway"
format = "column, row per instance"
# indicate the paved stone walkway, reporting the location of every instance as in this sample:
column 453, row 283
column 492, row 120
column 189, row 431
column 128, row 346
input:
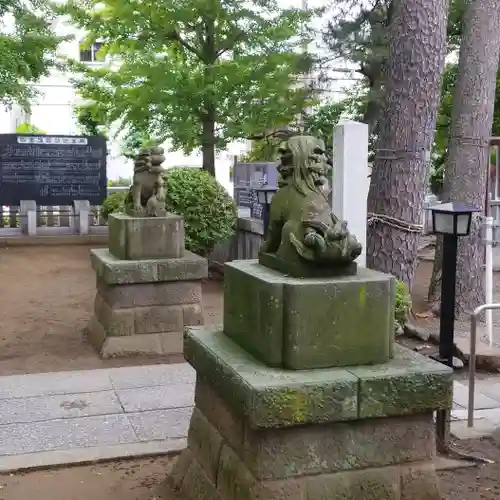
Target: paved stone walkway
column 84, row 416
column 72, row 417
column 486, row 408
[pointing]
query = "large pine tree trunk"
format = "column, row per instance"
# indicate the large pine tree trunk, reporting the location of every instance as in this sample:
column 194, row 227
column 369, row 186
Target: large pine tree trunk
column 416, row 61
column 468, row 158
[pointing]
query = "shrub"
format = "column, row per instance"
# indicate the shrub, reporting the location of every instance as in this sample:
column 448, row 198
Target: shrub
column 208, row 210
column 115, row 202
column 403, row 304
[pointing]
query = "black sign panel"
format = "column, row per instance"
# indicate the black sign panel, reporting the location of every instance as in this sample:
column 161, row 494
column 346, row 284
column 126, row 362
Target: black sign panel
column 52, row 169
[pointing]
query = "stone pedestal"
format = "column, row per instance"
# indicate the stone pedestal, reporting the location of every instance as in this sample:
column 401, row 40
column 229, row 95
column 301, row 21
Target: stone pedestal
column 300, row 323
column 358, row 427
column 356, row 433
column 148, row 287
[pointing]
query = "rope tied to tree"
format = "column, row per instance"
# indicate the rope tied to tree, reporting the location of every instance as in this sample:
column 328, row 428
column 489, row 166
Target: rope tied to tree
column 394, row 222
column 481, row 142
column 400, row 154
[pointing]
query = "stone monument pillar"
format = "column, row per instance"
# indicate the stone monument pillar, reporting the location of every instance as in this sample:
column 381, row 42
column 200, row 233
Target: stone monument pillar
column 148, row 285
column 302, row 393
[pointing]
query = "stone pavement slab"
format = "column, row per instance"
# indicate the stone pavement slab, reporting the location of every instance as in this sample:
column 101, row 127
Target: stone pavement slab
column 86, row 416
column 156, row 397
column 161, row 424
column 481, row 401
column 74, row 417
column 486, row 408
column 35, row 409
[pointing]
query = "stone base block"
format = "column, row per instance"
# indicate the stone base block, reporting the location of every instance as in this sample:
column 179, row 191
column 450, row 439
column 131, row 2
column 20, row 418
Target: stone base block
column 373, row 459
column 142, row 307
column 268, row 397
column 113, row 271
column 304, row 269
column 260, row 433
column 149, row 344
column 124, row 323
column 140, row 238
column 309, row 323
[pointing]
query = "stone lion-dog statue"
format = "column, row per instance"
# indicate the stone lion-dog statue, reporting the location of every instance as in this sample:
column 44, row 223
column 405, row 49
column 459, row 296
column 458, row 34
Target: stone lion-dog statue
column 147, row 193
column 304, row 235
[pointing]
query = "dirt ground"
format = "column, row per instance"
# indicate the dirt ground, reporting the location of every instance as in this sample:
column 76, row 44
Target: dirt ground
column 144, row 480
column 46, row 299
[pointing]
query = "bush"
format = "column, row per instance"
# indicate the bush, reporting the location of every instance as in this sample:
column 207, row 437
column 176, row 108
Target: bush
column 115, row 202
column 208, row 210
column 403, row 304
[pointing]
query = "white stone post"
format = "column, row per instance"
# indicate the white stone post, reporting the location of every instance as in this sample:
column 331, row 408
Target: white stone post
column 82, row 212
column 28, row 217
column 350, row 181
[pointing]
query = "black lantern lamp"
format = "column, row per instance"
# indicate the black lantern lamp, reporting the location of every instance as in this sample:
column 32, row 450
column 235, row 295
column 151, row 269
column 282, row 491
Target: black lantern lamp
column 450, row 220
column 265, row 195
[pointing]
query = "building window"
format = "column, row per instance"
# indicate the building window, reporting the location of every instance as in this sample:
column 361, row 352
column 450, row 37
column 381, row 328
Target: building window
column 90, row 54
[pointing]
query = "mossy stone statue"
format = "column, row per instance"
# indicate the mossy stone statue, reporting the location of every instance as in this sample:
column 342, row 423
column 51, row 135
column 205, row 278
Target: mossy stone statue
column 148, row 189
column 304, row 237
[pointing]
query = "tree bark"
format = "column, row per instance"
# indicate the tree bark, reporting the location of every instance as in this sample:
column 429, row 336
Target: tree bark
column 398, row 179
column 208, row 146
column 209, row 113
column 466, row 170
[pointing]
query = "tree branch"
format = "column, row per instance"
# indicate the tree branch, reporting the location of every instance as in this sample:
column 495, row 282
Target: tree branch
column 174, row 36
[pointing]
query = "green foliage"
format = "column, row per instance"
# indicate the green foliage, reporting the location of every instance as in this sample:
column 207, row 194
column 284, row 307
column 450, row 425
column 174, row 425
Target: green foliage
column 195, row 73
column 135, row 140
column 403, row 304
column 88, row 119
column 28, row 128
column 121, row 181
column 358, row 32
column 27, row 48
column 115, row 202
column 265, row 149
column 323, row 118
column 208, row 210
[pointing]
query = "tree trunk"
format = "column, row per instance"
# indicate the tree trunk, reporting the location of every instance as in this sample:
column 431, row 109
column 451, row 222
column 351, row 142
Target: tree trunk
column 398, row 179
column 208, row 146
column 209, row 113
column 468, row 154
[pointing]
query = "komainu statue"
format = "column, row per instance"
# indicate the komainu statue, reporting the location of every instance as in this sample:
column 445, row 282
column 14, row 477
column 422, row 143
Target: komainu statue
column 148, row 189
column 304, row 237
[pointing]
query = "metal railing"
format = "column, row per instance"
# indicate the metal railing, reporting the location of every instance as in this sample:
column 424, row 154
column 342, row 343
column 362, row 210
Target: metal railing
column 472, row 357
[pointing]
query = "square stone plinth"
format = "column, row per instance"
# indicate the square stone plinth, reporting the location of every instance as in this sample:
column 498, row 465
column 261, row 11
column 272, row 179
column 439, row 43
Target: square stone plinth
column 309, row 323
column 142, row 306
column 260, row 433
column 114, row 271
column 270, row 397
column 139, row 238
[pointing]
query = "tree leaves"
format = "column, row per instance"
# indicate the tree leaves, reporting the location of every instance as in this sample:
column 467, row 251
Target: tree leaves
column 179, row 63
column 27, row 48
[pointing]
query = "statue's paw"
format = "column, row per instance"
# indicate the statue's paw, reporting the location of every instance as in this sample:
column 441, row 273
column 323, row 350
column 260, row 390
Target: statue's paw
column 315, row 240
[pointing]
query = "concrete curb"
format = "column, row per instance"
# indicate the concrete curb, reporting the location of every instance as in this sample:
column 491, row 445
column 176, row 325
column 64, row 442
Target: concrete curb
column 10, row 464
column 487, row 358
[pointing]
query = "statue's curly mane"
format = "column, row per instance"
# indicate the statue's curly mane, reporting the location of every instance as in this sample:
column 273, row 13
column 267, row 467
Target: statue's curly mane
column 304, row 150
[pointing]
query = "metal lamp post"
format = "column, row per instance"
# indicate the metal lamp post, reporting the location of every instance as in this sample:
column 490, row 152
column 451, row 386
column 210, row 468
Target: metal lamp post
column 264, row 197
column 451, row 220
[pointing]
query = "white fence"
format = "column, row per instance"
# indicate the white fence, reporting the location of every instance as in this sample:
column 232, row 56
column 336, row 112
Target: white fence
column 28, row 218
